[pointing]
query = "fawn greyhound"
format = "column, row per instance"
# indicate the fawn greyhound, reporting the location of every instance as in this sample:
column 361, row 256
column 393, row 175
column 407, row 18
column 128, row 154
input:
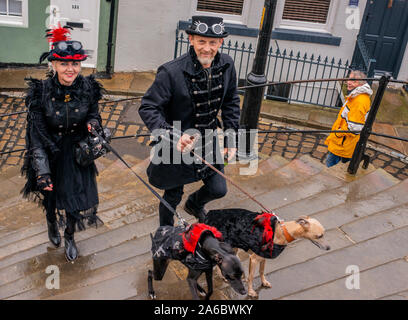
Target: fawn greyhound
column 264, row 235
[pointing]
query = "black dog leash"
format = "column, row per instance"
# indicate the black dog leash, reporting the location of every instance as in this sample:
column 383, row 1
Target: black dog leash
column 219, row 172
column 168, row 206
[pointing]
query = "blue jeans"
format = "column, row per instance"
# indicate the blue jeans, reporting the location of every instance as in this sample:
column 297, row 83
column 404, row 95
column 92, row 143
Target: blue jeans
column 332, row 159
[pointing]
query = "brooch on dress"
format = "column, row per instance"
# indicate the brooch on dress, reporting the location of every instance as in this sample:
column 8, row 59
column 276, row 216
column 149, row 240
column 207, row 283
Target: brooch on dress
column 67, row 98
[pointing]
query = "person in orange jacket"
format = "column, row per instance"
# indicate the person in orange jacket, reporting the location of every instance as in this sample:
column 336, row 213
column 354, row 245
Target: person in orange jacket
column 351, row 117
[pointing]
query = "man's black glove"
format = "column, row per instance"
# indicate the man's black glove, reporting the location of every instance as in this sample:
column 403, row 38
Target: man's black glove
column 44, row 181
column 95, row 125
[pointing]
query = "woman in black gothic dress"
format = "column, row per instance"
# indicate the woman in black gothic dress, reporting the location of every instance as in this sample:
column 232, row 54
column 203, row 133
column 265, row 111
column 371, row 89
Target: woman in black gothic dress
column 61, row 111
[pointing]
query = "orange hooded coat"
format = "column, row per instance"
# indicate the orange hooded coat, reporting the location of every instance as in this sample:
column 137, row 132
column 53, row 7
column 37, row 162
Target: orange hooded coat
column 352, row 116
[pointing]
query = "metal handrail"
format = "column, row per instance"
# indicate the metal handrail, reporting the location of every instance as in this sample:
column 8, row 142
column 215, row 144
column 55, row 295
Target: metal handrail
column 113, row 138
column 104, row 102
column 259, row 131
column 248, row 87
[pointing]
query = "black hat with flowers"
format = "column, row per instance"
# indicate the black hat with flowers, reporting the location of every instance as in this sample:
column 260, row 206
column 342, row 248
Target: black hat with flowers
column 207, row 26
column 62, row 47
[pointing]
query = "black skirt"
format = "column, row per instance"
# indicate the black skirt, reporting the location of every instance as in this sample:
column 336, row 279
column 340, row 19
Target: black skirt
column 74, row 185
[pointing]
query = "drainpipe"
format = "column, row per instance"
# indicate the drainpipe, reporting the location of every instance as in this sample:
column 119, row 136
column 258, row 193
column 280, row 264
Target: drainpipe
column 110, row 39
column 107, row 74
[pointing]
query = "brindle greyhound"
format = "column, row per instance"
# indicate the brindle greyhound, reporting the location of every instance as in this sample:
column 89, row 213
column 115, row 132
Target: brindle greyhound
column 168, row 243
column 249, row 231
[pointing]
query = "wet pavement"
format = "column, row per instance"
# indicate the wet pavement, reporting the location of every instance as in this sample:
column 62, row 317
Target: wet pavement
column 361, row 214
column 365, row 218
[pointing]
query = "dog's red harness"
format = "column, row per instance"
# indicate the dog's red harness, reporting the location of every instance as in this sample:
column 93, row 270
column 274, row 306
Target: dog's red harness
column 192, row 235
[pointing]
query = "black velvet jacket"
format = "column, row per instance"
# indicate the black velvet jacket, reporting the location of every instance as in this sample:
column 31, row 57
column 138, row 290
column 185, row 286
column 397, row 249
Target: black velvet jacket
column 184, row 91
column 53, row 112
column 240, row 229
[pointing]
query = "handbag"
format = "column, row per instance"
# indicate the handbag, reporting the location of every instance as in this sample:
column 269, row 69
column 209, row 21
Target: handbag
column 91, row 148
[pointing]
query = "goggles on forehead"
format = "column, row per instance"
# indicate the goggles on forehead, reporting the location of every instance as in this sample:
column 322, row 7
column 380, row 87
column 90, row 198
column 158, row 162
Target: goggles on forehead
column 63, row 45
column 202, row 27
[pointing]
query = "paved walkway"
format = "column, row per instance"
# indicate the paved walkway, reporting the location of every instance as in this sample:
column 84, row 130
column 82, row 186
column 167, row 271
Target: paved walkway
column 122, row 118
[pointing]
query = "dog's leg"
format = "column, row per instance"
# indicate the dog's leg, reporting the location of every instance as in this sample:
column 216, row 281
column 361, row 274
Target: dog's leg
column 201, row 290
column 152, row 294
column 208, row 276
column 265, row 282
column 219, row 273
column 159, row 268
column 253, row 261
column 192, row 277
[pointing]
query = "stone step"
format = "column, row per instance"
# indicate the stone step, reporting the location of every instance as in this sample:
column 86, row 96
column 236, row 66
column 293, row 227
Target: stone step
column 121, row 201
column 348, row 212
column 29, row 248
column 17, row 211
column 263, row 166
column 295, row 171
column 372, row 183
column 373, row 284
column 95, row 253
column 128, row 208
column 22, row 275
column 85, row 271
column 89, row 241
column 377, row 224
column 116, row 172
column 102, row 163
column 332, row 265
column 396, row 296
column 287, row 194
column 116, row 209
column 9, row 172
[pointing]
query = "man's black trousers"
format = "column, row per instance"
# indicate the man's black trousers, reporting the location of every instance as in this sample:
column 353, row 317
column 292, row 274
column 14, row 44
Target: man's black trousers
column 214, row 187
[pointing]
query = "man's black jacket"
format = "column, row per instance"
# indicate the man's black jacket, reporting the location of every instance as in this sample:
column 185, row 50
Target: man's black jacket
column 171, row 98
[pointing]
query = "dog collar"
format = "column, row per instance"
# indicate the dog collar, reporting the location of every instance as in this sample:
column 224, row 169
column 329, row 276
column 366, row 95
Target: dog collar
column 287, row 235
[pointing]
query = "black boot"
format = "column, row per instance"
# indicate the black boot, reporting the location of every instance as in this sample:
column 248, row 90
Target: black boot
column 190, row 208
column 71, row 251
column 53, row 233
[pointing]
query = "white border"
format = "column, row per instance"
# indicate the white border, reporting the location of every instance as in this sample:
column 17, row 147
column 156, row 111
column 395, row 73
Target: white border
column 306, row 26
column 18, row 22
column 228, row 18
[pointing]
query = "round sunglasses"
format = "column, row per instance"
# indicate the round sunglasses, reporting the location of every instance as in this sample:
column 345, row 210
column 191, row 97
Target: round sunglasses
column 63, row 45
column 202, row 27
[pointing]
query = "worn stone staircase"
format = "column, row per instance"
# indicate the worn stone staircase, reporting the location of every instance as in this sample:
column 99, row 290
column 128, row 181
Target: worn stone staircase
column 366, row 221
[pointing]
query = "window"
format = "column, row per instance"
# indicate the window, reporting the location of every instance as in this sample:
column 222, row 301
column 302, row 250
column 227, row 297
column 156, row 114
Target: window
column 310, row 11
column 220, row 6
column 232, row 11
column 306, row 15
column 14, row 13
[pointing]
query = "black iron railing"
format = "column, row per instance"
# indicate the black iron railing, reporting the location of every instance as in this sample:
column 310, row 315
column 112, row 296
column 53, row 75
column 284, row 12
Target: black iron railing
column 283, row 66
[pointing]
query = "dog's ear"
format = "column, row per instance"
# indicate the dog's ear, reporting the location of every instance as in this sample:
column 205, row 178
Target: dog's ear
column 302, row 220
column 225, row 246
column 218, row 258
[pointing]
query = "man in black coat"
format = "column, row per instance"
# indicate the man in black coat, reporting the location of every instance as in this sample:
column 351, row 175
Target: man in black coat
column 188, row 93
